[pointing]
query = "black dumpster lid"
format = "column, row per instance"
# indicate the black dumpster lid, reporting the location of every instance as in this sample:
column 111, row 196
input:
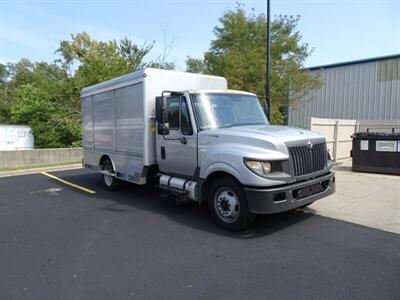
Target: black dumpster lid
column 376, row 134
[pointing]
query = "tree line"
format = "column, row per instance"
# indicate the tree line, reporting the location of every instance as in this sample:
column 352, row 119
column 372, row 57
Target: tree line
column 45, row 95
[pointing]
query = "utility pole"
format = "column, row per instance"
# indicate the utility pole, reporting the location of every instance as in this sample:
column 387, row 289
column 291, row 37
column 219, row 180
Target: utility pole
column 267, row 104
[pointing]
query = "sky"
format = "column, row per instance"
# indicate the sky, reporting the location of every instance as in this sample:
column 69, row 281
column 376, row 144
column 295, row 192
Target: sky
column 337, row 31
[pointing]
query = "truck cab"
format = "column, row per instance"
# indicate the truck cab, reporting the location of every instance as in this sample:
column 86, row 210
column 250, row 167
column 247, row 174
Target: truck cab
column 220, row 143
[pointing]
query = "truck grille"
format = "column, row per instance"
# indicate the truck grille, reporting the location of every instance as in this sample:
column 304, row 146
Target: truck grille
column 306, row 160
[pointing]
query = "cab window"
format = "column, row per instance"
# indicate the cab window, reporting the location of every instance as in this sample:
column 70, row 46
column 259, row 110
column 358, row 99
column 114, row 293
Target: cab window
column 173, row 112
column 186, row 126
column 178, row 115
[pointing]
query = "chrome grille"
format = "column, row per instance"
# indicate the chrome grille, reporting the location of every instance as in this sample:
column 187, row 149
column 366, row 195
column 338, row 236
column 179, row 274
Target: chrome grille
column 307, row 160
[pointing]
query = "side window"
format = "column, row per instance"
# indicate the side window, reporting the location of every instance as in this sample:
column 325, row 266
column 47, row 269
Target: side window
column 173, row 113
column 186, row 126
column 179, row 121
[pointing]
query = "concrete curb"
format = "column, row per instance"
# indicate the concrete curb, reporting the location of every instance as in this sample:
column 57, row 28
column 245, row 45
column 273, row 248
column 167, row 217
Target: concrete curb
column 39, row 170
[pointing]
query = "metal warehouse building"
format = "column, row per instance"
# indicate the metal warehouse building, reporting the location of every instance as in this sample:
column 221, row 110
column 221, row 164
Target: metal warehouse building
column 366, row 89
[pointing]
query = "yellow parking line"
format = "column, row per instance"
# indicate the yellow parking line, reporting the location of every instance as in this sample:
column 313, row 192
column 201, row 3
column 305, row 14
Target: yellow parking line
column 69, row 183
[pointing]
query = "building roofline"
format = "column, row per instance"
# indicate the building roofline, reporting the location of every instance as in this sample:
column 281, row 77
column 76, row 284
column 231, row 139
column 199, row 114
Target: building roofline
column 353, row 62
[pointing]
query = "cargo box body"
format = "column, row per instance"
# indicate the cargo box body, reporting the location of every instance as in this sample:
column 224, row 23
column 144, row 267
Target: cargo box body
column 118, row 118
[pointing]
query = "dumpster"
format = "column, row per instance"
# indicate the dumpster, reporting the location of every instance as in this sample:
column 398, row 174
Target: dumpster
column 376, row 152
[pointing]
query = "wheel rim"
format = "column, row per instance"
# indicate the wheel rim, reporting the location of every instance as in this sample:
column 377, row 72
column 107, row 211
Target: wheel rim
column 107, row 178
column 227, row 205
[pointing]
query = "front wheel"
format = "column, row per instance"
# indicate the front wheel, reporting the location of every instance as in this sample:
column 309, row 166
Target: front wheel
column 228, row 205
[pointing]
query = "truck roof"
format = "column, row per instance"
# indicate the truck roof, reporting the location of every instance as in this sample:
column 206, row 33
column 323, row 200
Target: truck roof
column 225, row 91
column 138, row 76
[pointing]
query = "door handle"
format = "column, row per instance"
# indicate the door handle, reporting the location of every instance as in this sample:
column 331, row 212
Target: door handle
column 162, row 152
column 183, row 140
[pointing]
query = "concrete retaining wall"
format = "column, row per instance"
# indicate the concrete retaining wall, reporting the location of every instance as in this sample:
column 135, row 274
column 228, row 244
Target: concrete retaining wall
column 20, row 158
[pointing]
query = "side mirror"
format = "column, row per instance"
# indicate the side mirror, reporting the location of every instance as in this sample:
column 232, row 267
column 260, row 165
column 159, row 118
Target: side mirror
column 162, row 115
column 165, row 109
column 161, row 110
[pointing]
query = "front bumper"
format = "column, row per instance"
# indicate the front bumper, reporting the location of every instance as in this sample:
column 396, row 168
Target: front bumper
column 283, row 198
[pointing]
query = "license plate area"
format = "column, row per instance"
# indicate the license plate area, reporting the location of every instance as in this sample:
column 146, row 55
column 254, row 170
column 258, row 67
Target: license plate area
column 308, row 191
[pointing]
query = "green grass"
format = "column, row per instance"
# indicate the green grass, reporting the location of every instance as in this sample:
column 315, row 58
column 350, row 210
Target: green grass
column 65, row 163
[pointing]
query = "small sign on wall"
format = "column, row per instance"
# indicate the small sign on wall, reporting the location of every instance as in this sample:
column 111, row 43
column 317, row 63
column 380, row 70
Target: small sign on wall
column 364, row 145
column 386, row 146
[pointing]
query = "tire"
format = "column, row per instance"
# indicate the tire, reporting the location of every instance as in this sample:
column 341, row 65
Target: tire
column 110, row 183
column 228, row 205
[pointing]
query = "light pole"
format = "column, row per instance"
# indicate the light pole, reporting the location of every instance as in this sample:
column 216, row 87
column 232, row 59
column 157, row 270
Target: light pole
column 267, row 105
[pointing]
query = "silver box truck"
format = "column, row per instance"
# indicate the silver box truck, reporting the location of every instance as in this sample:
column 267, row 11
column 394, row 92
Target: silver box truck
column 191, row 136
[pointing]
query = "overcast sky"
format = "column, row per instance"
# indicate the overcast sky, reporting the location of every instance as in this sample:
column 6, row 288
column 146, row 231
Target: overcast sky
column 337, row 30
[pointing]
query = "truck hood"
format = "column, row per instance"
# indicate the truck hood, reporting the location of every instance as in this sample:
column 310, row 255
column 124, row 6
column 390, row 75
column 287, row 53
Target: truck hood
column 225, row 149
column 261, row 141
column 270, row 133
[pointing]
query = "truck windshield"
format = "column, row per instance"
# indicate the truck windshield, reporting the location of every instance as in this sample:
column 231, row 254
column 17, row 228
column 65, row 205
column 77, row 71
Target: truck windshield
column 222, row 110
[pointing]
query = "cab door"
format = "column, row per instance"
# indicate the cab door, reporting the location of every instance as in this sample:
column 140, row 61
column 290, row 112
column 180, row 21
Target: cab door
column 177, row 150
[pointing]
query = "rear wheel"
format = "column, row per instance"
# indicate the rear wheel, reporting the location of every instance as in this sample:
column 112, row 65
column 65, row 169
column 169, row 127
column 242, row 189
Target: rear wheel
column 228, row 205
column 110, row 182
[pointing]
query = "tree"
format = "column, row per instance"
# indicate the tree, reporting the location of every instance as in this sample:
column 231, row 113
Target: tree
column 37, row 95
column 161, row 61
column 238, row 53
column 98, row 61
column 46, row 96
column 195, row 65
column 32, row 106
column 4, row 112
column 3, row 74
column 48, row 78
column 89, row 62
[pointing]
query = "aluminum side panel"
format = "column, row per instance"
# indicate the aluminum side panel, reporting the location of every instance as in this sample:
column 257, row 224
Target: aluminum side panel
column 103, row 121
column 87, row 122
column 129, row 120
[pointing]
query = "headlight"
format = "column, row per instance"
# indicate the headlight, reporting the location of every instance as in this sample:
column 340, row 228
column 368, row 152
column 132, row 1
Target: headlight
column 258, row 167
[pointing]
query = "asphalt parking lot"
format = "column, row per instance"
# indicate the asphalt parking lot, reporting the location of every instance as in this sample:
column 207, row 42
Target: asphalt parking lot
column 60, row 242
